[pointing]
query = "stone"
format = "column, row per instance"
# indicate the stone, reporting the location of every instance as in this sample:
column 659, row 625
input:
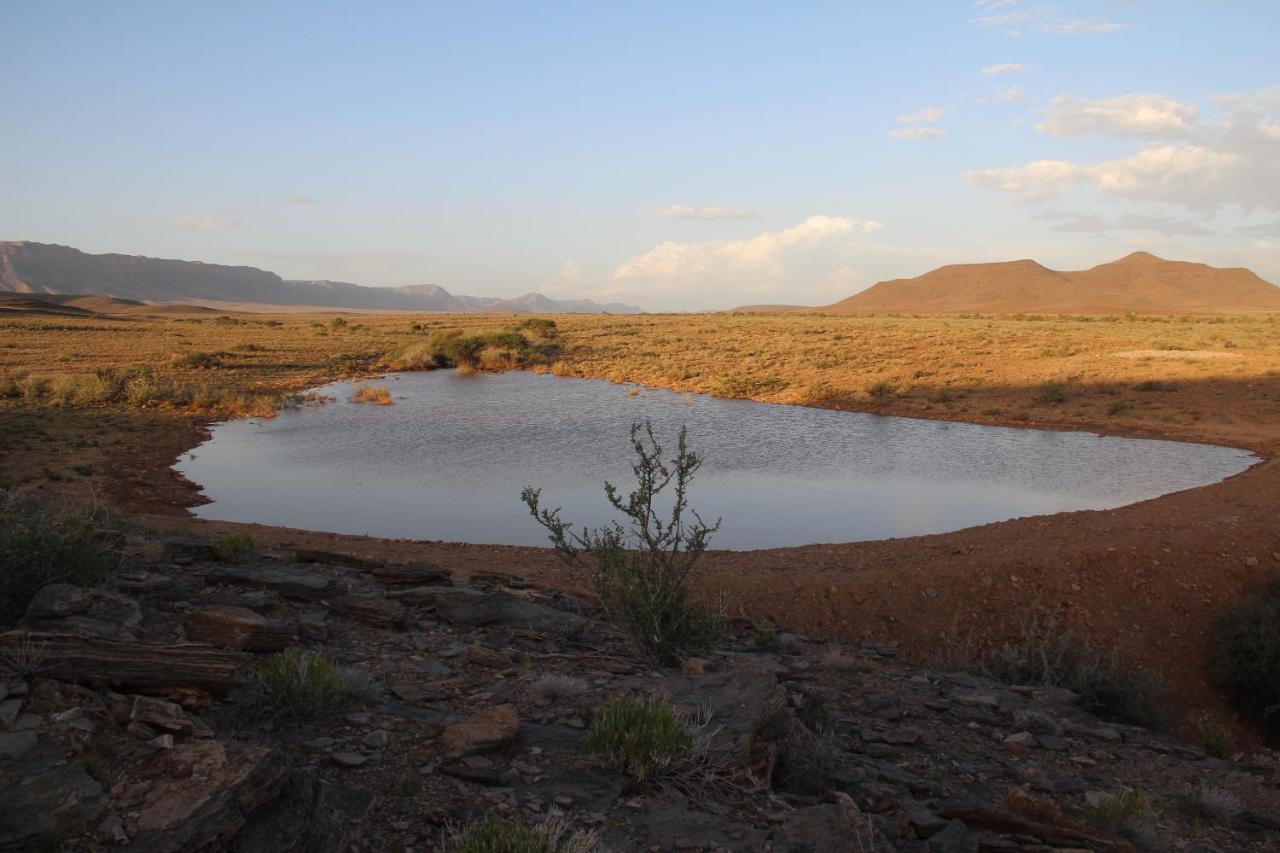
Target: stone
column 199, row 795
column 377, row 740
column 231, row 627
column 185, row 550
column 314, row 625
column 413, row 692
column 955, row 838
column 413, row 575
column 310, row 816
column 431, row 668
column 902, row 736
column 61, row 607
column 332, row 558
column 815, row 829
column 1020, row 741
column 349, row 759
column 486, row 657
column 923, row 819
column 14, row 745
column 59, row 801
column 748, row 707
column 467, row 609
column 9, row 709
column 486, row 730
column 159, row 714
column 370, row 610
column 295, row 583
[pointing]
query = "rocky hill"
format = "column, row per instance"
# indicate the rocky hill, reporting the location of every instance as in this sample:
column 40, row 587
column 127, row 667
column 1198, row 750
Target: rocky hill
column 41, row 268
column 136, row 716
column 1140, row 282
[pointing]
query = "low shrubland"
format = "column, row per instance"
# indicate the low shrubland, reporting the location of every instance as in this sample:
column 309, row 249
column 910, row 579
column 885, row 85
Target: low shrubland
column 1245, row 657
column 501, row 350
column 644, row 571
column 40, row 545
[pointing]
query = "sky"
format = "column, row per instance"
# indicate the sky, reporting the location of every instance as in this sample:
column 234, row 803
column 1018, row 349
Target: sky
column 677, row 156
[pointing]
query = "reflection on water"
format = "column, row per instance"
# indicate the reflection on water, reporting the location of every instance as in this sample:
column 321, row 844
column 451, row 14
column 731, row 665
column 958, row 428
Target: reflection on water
column 449, row 459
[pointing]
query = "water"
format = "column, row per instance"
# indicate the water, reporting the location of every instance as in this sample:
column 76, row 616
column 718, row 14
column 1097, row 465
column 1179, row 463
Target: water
column 449, row 459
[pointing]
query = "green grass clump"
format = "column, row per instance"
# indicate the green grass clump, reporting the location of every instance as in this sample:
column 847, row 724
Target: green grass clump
column 39, row 546
column 1045, row 652
column 640, row 737
column 1124, row 813
column 234, row 547
column 1245, row 657
column 303, row 684
column 496, row 834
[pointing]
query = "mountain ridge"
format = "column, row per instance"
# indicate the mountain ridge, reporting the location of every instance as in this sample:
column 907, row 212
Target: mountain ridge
column 47, row 268
column 1138, row 282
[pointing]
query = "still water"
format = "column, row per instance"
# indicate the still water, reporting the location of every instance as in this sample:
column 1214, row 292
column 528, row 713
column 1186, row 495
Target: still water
column 448, row 460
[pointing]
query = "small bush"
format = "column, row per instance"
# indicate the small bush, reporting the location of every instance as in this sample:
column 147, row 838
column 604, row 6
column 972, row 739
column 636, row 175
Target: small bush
column 234, row 547
column 538, row 325
column 40, row 546
column 882, row 389
column 1124, row 813
column 379, row 395
column 766, row 637
column 1052, row 393
column 640, row 737
column 644, row 572
column 496, row 834
column 302, row 683
column 1209, row 804
column 1046, row 653
column 197, row 360
column 1245, row 657
column 554, row 687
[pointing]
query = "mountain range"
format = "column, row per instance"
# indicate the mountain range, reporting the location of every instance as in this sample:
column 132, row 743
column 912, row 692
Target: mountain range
column 43, row 268
column 1139, row 282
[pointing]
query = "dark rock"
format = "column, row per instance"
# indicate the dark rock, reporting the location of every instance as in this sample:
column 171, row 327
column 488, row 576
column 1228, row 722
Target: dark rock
column 413, row 575
column 748, row 706
column 371, row 610
column 466, row 609
column 314, row 626
column 48, row 803
column 186, row 550
column 159, row 714
column 414, row 692
column 62, row 607
column 955, row 838
column 290, row 582
column 14, row 745
column 232, row 627
column 331, row 558
column 488, row 729
column 310, row 816
column 819, row 829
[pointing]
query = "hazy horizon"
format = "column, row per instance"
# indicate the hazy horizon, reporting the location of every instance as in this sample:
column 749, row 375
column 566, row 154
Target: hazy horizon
column 673, row 158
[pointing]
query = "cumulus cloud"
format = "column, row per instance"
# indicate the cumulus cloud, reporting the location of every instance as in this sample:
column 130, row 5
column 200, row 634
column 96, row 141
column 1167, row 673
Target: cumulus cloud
column 917, row 133
column 1006, row 68
column 929, row 114
column 757, row 263
column 204, row 223
column 680, row 211
column 1011, row 95
column 1014, row 18
column 1125, row 115
column 1235, row 161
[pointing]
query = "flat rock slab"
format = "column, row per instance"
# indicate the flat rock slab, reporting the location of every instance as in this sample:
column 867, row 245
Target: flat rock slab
column 310, row 816
column 333, row 558
column 48, row 802
column 465, row 609
column 74, row 609
column 486, row 730
column 748, row 709
column 416, row 574
column 231, row 627
column 298, row 583
column 370, row 610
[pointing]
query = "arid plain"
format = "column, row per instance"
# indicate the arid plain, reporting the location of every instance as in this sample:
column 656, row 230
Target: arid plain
column 1144, row 579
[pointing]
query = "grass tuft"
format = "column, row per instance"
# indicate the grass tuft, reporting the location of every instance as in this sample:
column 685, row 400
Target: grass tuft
column 642, row 738
column 234, row 547
column 379, row 395
column 496, row 834
column 303, row 684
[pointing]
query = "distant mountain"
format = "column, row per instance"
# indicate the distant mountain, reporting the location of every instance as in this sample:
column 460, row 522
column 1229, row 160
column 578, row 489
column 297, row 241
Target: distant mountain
column 1140, row 282
column 42, row 268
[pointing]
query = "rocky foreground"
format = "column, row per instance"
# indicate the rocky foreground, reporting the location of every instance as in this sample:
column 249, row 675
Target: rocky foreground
column 131, row 718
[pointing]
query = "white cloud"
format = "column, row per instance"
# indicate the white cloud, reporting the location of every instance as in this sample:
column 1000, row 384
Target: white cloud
column 917, row 133
column 756, row 264
column 1235, row 161
column 1006, row 68
column 1092, row 223
column 204, row 223
column 1012, row 95
column 1014, row 19
column 680, row 211
column 929, row 114
column 1126, row 115
column 303, row 199
column 1035, row 180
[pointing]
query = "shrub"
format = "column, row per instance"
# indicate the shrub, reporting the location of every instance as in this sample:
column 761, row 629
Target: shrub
column 1124, row 813
column 197, row 360
column 377, row 394
column 1245, row 657
column 40, row 546
column 234, row 547
column 640, row 737
column 302, row 683
column 1052, row 393
column 538, row 325
column 644, row 572
column 1210, row 804
column 497, row 834
column 883, row 388
column 553, row 686
column 766, row 637
column 1046, row 653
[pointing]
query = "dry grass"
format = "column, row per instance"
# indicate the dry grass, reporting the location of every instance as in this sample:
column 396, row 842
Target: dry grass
column 379, row 395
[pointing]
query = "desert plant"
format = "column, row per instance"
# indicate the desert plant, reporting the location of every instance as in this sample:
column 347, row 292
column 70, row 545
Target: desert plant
column 640, row 737
column 553, row 686
column 882, row 389
column 1124, row 812
column 302, row 684
column 197, row 360
column 1245, row 656
column 766, row 637
column 1046, row 652
column 1210, row 804
column 644, row 572
column 377, row 394
column 23, row 657
column 496, row 834
column 234, row 547
column 1052, row 393
column 40, row 545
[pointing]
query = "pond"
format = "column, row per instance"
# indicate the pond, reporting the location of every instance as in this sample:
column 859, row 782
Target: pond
column 448, row 459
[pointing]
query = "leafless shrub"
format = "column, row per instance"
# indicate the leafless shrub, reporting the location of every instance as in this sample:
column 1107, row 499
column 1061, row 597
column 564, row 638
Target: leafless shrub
column 554, row 686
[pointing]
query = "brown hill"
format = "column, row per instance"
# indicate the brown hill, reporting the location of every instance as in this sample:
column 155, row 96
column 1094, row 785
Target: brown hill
column 42, row 268
column 1138, row 282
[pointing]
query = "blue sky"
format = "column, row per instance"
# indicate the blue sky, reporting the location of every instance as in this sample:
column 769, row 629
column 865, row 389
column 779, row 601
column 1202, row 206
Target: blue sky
column 677, row 156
